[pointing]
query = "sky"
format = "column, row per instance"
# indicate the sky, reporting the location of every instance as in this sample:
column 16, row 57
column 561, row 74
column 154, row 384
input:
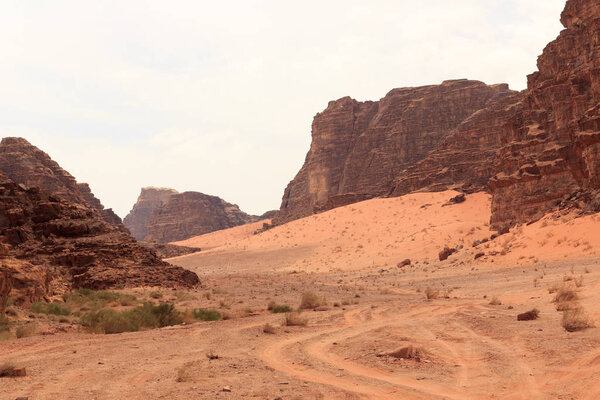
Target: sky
column 219, row 96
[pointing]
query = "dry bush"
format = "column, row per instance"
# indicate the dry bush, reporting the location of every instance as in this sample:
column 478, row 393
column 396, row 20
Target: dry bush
column 311, row 300
column 495, row 301
column 295, row 319
column 575, row 319
column 27, row 330
column 578, row 281
column 184, row 374
column 565, row 297
column 554, row 288
column 270, row 329
column 431, row 293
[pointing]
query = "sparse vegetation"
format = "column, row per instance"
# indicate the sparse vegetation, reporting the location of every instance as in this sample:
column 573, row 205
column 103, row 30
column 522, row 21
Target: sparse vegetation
column 295, row 319
column 270, row 329
column 206, row 315
column 565, row 297
column 147, row 316
column 48, row 308
column 575, row 319
column 431, row 293
column 495, row 301
column 277, row 309
column 311, row 300
column 156, row 295
column 26, row 330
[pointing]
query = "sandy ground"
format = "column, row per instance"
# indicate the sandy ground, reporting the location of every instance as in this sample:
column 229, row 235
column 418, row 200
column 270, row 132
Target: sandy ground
column 469, row 348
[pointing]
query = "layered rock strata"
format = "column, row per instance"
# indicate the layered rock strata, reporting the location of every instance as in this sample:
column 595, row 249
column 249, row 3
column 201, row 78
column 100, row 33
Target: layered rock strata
column 24, row 163
column 551, row 151
column 149, row 200
column 191, row 214
column 359, row 149
column 50, row 245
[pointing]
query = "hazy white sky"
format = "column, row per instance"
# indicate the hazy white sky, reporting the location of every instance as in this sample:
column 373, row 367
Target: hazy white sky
column 219, row 96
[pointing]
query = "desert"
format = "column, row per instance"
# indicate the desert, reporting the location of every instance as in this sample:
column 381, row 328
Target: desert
column 442, row 242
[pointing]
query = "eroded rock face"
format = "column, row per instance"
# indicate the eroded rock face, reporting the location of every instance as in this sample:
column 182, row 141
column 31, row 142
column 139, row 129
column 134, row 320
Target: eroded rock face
column 359, row 149
column 464, row 160
column 552, row 141
column 149, row 200
column 190, row 214
column 24, row 163
column 72, row 245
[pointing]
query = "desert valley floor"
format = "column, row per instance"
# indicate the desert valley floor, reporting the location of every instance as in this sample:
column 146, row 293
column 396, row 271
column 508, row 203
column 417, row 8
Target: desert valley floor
column 466, row 336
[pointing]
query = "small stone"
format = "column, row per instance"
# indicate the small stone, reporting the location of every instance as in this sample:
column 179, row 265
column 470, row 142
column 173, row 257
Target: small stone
column 226, row 389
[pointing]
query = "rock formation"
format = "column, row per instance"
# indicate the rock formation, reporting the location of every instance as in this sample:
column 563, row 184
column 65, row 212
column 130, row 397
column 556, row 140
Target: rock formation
column 535, row 150
column 551, row 149
column 24, row 163
column 50, row 245
column 149, row 200
column 190, row 214
column 359, row 149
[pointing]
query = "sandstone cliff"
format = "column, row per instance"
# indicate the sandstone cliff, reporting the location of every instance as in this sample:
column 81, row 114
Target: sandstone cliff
column 359, row 149
column 24, row 163
column 190, row 214
column 551, row 151
column 66, row 244
column 149, row 200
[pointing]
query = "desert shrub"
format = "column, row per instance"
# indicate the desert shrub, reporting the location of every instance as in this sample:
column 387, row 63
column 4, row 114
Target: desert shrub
column 575, row 319
column 431, row 293
column 311, row 300
column 48, row 308
column 495, row 301
column 110, row 321
column 206, row 315
column 24, row 331
column 270, row 329
column 277, row 309
column 147, row 316
column 157, row 316
column 295, row 319
column 156, row 295
column 564, row 298
column 96, row 299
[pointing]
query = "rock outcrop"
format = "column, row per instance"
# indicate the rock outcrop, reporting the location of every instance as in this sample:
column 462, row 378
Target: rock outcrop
column 191, row 214
column 50, row 245
column 149, row 200
column 551, row 151
column 359, row 149
column 24, row 163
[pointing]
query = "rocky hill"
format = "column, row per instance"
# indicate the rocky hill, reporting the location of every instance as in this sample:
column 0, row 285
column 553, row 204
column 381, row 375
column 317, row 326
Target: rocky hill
column 49, row 245
column 551, row 151
column 190, row 214
column 149, row 200
column 534, row 151
column 359, row 149
column 24, row 163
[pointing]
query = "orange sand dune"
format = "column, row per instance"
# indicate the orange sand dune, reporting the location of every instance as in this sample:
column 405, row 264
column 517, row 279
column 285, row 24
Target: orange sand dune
column 378, row 232
column 383, row 232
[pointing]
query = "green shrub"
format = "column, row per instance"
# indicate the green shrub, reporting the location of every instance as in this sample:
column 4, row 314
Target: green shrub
column 206, row 315
column 97, row 299
column 110, row 321
column 147, row 316
column 48, row 308
column 281, row 309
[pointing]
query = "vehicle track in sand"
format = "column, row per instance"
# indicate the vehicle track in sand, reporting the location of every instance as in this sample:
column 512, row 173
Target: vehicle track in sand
column 311, row 357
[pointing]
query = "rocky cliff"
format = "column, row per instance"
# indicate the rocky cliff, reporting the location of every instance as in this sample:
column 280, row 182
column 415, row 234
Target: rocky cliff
column 149, row 200
column 24, row 163
column 190, row 214
column 551, row 150
column 359, row 149
column 66, row 244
